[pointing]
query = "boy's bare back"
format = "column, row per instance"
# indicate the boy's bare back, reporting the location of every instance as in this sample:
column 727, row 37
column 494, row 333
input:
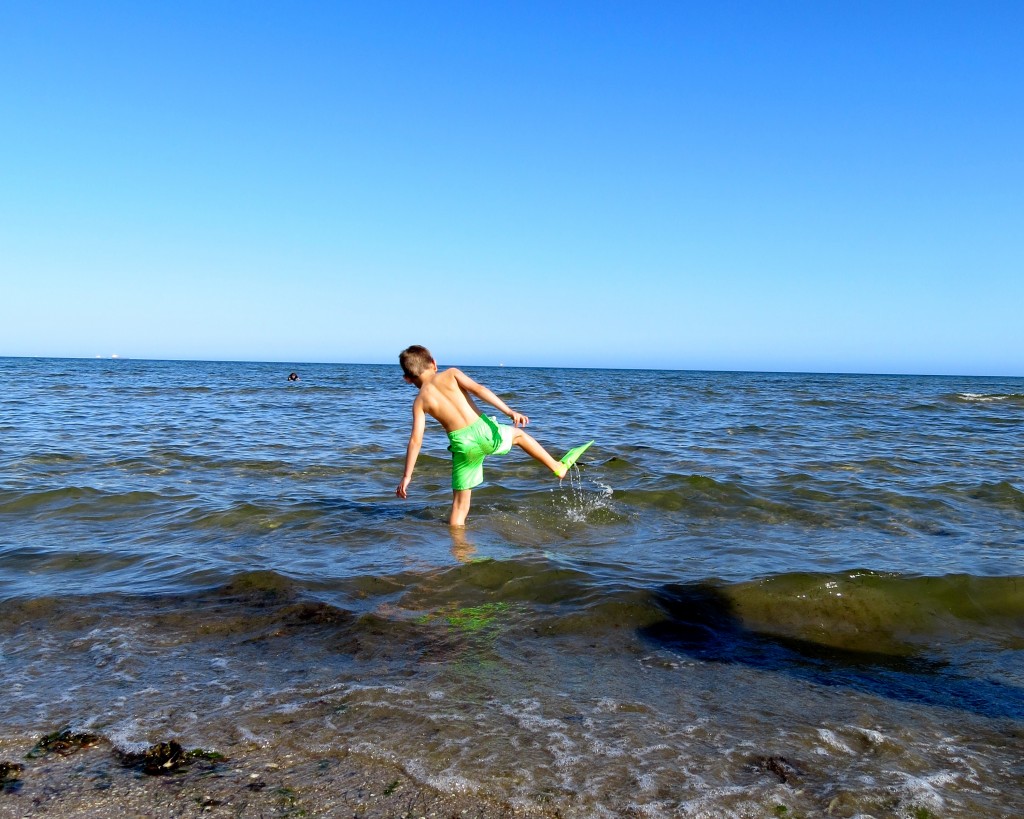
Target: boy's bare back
column 444, row 397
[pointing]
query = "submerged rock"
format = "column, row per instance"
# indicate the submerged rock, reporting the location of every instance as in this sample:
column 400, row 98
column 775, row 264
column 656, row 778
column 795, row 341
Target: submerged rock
column 785, row 770
column 64, row 742
column 163, row 757
column 9, row 776
column 166, row 757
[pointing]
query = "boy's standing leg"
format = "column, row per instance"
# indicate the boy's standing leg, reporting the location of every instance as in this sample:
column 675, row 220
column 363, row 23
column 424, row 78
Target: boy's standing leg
column 460, row 506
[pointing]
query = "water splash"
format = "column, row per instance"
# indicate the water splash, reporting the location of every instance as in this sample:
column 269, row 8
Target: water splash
column 575, row 503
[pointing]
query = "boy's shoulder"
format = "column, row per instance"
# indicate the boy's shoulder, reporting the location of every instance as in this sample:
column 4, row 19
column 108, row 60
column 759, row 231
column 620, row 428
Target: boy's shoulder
column 452, row 373
column 442, row 380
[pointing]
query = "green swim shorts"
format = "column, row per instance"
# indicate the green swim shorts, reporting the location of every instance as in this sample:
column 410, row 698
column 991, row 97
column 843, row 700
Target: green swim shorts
column 470, row 445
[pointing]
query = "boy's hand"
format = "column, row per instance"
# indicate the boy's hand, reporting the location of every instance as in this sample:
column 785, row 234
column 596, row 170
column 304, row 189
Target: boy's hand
column 401, row 491
column 518, row 419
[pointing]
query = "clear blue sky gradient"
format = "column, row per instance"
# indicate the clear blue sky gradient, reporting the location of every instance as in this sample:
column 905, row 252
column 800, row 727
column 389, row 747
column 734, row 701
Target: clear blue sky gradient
column 815, row 186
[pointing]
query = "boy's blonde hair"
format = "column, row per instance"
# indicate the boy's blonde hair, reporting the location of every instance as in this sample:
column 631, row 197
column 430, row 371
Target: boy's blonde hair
column 415, row 360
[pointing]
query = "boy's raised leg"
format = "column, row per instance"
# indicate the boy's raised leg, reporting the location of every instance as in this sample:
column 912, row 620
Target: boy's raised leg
column 529, row 445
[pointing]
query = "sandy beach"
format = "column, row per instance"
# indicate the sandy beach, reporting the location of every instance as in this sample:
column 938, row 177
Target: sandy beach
column 94, row 782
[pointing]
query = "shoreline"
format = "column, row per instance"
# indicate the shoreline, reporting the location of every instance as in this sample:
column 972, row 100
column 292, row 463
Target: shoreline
column 94, row 781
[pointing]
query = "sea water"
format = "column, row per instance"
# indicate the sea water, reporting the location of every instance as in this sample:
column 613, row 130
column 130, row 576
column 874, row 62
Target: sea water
column 762, row 594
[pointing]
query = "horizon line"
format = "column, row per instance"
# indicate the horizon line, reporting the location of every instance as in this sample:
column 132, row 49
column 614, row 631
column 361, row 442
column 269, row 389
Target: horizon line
column 294, row 363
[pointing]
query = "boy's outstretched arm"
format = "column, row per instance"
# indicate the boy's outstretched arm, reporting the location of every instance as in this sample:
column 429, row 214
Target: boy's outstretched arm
column 484, row 394
column 419, row 423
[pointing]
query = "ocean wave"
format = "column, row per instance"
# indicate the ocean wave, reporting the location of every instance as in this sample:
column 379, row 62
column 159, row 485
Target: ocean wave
column 213, row 463
column 872, row 495
column 852, row 611
column 1014, row 398
column 247, row 516
column 253, row 605
column 50, row 458
column 855, row 611
column 701, row 496
column 81, row 501
column 1002, row 494
column 904, row 639
column 858, row 611
column 853, row 628
column 88, row 563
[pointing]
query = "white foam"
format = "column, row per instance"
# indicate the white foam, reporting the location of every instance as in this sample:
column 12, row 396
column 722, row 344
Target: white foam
column 923, row 791
column 709, row 802
column 122, row 737
column 445, row 782
column 372, row 750
column 981, row 398
column 872, row 736
column 564, row 750
column 601, row 748
column 249, row 736
column 647, row 782
column 652, row 809
column 526, row 714
column 832, row 740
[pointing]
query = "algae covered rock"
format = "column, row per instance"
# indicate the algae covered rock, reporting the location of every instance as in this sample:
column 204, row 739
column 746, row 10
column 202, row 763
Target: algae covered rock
column 10, row 776
column 64, row 742
column 167, row 757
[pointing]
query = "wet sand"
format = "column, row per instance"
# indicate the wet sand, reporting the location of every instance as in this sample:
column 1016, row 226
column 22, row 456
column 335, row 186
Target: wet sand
column 94, row 782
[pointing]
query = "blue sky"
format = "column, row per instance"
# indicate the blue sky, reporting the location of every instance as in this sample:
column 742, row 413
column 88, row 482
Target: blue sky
column 812, row 186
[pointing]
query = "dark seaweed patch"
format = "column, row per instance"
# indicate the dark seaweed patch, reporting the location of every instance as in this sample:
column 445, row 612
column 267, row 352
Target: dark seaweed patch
column 64, row 743
column 10, row 777
column 166, row 758
column 781, row 767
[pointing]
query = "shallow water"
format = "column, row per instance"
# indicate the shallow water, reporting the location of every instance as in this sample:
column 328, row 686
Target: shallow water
column 760, row 591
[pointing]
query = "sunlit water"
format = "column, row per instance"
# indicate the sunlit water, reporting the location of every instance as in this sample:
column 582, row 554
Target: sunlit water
column 761, row 593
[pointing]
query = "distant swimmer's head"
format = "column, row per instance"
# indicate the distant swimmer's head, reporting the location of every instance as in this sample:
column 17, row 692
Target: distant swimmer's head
column 293, row 376
column 415, row 361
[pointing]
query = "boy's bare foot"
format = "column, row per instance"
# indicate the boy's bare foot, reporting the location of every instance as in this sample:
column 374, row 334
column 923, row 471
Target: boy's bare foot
column 569, row 458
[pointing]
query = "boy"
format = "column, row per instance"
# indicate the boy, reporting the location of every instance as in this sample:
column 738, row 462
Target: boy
column 447, row 397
